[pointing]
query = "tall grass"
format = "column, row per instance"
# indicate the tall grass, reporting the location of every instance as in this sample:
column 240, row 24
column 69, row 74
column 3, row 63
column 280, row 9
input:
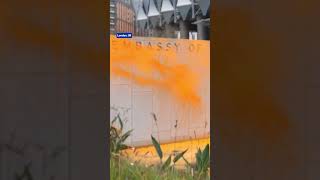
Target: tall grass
column 136, row 171
column 122, row 168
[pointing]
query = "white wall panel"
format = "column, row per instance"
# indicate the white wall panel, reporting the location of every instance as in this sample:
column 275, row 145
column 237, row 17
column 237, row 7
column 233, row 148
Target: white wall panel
column 142, row 119
column 141, row 102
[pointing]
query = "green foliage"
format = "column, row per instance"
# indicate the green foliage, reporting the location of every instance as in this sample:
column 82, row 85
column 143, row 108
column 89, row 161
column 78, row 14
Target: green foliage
column 122, row 169
column 187, row 162
column 180, row 155
column 166, row 163
column 126, row 170
column 117, row 137
column 156, row 145
column 202, row 161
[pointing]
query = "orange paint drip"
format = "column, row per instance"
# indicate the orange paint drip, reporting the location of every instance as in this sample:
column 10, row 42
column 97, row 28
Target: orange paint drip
column 160, row 66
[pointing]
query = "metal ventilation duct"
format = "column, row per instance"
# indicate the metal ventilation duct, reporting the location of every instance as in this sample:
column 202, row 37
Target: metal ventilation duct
column 142, row 17
column 158, row 4
column 204, row 6
column 167, row 10
column 174, row 2
column 184, row 7
column 185, row 11
column 166, row 6
column 153, row 11
column 153, row 14
column 184, row 3
column 135, row 4
column 146, row 5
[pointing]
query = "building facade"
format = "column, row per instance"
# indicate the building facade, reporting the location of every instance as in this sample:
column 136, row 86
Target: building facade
column 182, row 19
column 122, row 16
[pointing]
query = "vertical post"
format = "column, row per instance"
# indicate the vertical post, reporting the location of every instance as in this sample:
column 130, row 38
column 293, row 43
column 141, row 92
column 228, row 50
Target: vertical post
column 203, row 30
column 184, row 29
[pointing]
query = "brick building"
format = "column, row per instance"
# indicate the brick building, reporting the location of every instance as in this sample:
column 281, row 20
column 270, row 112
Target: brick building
column 122, row 16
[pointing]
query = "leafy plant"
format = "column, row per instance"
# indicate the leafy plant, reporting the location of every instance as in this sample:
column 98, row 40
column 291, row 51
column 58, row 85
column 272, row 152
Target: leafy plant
column 117, row 137
column 179, row 156
column 122, row 168
column 154, row 116
column 157, row 147
column 202, row 161
column 138, row 171
column 167, row 163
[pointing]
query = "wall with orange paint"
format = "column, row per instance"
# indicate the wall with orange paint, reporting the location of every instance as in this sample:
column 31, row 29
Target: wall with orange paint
column 168, row 77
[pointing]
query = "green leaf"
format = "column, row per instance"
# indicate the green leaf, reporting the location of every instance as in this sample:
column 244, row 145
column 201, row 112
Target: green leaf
column 167, row 163
column 154, row 117
column 114, row 119
column 198, row 159
column 157, row 147
column 117, row 138
column 120, row 122
column 113, row 132
column 206, row 150
column 125, row 136
column 206, row 155
column 202, row 160
column 186, row 161
column 123, row 147
column 198, row 155
column 179, row 156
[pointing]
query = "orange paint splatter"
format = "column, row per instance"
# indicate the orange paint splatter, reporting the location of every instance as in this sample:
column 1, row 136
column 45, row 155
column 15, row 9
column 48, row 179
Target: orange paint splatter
column 177, row 67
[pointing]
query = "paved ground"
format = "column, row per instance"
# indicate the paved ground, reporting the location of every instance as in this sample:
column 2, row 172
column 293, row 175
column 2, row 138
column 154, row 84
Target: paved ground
column 148, row 155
